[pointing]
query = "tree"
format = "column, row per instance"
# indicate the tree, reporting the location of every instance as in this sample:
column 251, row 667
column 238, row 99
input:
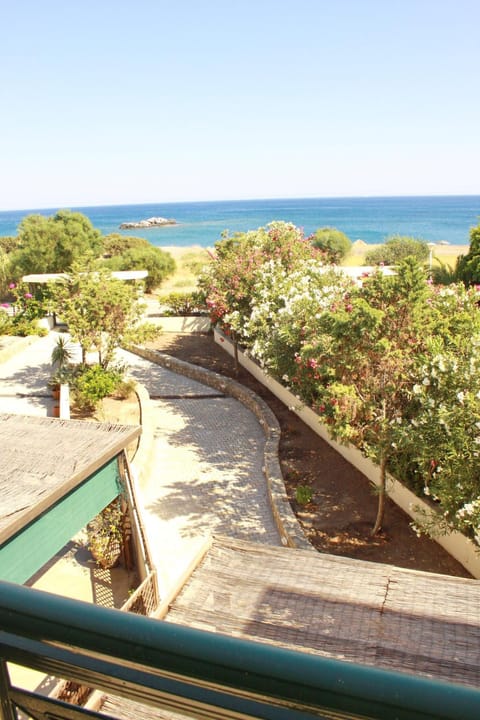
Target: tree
column 359, row 358
column 469, row 265
column 396, row 249
column 101, row 312
column 333, row 243
column 53, row 244
column 157, row 262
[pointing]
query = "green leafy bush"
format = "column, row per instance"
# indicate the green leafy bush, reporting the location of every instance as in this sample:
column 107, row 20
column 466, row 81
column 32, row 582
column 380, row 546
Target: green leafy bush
column 53, row 244
column 183, row 303
column 395, row 249
column 303, row 494
column 333, row 243
column 468, row 266
column 116, row 244
column 92, row 383
column 159, row 264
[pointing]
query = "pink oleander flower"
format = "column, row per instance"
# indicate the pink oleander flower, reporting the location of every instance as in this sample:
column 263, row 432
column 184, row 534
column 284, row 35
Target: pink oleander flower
column 12, row 286
column 5, row 305
column 28, row 296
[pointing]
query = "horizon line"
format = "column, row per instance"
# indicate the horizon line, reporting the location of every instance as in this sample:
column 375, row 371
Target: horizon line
column 239, row 200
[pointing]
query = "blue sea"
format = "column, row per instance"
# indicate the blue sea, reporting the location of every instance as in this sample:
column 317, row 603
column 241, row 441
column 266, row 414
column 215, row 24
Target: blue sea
column 372, row 219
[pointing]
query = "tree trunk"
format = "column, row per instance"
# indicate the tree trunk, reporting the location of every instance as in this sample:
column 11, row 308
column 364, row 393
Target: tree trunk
column 235, row 352
column 381, row 496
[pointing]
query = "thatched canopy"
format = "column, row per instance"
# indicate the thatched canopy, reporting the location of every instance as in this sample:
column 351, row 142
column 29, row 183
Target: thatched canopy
column 345, row 609
column 43, row 459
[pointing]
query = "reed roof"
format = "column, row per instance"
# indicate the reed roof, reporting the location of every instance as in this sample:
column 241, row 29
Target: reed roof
column 42, row 459
column 346, row 609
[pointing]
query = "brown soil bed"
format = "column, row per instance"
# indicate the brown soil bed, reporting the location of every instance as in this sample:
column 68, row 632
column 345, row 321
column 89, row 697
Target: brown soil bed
column 343, row 507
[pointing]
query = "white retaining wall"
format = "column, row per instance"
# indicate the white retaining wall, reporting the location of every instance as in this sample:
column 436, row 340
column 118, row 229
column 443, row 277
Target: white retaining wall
column 184, row 324
column 456, row 544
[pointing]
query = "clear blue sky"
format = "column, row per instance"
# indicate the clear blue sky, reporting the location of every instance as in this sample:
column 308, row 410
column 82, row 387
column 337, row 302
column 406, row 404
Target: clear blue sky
column 119, row 101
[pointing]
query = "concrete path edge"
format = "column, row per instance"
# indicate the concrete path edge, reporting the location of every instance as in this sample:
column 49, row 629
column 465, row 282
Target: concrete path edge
column 288, row 526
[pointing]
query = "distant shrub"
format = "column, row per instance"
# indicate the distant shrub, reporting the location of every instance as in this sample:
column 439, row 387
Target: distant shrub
column 116, row 244
column 183, row 303
column 333, row 243
column 468, row 266
column 157, row 262
column 395, row 249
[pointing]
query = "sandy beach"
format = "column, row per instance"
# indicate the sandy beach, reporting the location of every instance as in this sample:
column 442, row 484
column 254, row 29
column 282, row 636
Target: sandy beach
column 359, row 250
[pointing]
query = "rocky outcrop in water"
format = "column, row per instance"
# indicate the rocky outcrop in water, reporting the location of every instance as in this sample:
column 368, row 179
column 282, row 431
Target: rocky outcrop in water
column 151, row 222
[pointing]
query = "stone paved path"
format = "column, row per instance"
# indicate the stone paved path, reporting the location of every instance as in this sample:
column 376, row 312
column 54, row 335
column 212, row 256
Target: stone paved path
column 24, row 377
column 207, row 472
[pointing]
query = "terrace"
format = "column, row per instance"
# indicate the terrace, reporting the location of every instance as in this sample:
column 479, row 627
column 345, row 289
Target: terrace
column 255, row 631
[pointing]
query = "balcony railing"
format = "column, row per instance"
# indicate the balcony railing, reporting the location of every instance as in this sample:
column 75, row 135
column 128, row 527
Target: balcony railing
column 196, row 673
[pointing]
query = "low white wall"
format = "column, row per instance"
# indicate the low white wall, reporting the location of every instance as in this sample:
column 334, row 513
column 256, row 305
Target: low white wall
column 456, row 544
column 64, row 402
column 47, row 322
column 185, row 324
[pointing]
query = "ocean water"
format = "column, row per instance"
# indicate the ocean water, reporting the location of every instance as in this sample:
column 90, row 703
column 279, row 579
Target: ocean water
column 434, row 219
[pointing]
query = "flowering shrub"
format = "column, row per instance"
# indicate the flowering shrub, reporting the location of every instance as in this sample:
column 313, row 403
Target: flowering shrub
column 285, row 309
column 392, row 366
column 239, row 263
column 439, row 438
column 25, row 310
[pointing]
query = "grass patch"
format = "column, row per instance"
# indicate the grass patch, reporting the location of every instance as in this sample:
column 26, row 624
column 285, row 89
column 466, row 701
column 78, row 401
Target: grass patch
column 189, row 262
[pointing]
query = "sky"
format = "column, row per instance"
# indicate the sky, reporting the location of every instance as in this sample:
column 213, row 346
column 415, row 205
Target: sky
column 115, row 101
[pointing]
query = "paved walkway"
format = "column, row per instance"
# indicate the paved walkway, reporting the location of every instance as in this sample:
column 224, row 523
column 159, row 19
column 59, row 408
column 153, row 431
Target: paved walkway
column 207, row 472
column 24, row 376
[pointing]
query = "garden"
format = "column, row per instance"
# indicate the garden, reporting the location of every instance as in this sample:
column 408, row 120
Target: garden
column 390, row 363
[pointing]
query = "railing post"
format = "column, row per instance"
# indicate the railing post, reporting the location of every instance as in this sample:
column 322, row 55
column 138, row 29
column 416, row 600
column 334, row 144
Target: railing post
column 6, row 709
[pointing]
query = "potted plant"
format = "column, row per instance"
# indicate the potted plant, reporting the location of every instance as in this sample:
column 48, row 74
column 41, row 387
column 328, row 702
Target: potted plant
column 105, row 535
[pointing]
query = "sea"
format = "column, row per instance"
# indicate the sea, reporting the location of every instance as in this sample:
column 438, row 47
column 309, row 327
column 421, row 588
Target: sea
column 438, row 219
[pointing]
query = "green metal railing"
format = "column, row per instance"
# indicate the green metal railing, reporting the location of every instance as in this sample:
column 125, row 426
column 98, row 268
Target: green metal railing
column 197, row 673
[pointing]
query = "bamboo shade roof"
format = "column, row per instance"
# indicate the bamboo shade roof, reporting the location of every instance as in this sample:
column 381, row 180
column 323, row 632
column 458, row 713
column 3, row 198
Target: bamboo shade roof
column 42, row 459
column 351, row 610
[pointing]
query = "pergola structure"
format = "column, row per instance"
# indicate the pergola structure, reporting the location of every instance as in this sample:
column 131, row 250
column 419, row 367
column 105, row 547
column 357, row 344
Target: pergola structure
column 55, row 477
